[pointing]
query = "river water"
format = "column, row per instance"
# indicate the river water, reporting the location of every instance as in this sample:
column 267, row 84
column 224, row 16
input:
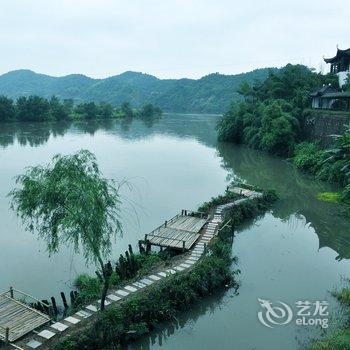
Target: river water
column 297, row 252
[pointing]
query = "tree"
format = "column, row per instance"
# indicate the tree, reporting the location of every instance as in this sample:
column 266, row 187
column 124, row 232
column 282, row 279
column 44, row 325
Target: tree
column 58, row 110
column 69, row 202
column 33, row 108
column 127, row 110
column 7, row 109
column 105, row 110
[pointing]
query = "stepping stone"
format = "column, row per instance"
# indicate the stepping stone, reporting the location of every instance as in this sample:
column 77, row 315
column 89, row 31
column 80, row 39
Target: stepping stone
column 33, row 344
column 147, row 281
column 190, row 262
column 92, row 308
column 72, row 320
column 193, row 258
column 139, row 285
column 59, row 326
column 186, row 266
column 83, row 314
column 123, row 293
column 46, row 334
column 106, row 302
column 113, row 297
column 197, row 253
column 170, row 271
column 154, row 277
column 163, row 274
column 179, row 268
column 130, row 289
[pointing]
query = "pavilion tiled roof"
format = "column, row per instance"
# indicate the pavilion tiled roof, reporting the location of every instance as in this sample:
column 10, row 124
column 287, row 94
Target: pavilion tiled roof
column 340, row 53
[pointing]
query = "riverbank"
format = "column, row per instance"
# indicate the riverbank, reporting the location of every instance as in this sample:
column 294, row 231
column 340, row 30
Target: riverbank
column 274, row 117
column 340, row 338
column 141, row 310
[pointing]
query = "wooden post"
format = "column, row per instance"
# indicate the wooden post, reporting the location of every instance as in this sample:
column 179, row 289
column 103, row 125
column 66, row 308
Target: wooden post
column 72, row 297
column 205, row 248
column 46, row 306
column 11, row 292
column 7, row 335
column 64, row 300
column 145, row 238
column 165, row 223
column 183, row 245
column 54, row 305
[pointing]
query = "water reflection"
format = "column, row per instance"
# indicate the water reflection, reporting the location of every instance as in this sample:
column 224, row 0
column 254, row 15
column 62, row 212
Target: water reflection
column 184, row 320
column 297, row 192
column 37, row 134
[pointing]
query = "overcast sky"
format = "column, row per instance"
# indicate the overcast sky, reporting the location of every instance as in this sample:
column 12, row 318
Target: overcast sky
column 168, row 38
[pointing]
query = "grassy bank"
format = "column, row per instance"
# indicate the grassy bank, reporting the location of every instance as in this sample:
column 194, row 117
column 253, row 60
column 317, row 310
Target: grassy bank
column 339, row 339
column 140, row 313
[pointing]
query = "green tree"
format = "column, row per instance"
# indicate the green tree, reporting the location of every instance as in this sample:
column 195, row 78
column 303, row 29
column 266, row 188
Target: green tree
column 7, row 109
column 127, row 110
column 33, row 108
column 58, row 110
column 69, row 202
column 105, row 110
column 336, row 166
column 271, row 115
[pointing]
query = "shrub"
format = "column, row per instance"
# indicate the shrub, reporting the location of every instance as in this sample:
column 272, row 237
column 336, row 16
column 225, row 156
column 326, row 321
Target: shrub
column 308, row 157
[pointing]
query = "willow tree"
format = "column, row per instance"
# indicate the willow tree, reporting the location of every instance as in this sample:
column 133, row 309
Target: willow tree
column 68, row 202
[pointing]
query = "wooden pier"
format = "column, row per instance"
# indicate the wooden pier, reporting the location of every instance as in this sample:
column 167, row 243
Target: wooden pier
column 25, row 328
column 17, row 318
column 180, row 232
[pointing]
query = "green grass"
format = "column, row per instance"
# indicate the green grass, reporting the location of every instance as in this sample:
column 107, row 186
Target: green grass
column 331, row 197
column 338, row 341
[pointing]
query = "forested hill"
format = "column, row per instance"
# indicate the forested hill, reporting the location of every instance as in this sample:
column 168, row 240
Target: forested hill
column 211, row 94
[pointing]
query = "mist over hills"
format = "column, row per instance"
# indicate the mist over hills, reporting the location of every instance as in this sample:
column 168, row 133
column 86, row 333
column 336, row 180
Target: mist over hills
column 209, row 94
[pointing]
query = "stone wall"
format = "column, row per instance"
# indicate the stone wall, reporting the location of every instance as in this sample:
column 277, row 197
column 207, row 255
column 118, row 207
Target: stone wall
column 320, row 124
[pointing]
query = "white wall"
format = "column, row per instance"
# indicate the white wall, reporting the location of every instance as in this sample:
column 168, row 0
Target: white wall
column 342, row 77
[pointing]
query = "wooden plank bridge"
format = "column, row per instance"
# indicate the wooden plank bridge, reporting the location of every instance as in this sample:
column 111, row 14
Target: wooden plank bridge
column 179, row 232
column 17, row 318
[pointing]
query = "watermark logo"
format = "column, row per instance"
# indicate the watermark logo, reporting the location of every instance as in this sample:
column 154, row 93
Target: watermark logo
column 274, row 315
column 307, row 313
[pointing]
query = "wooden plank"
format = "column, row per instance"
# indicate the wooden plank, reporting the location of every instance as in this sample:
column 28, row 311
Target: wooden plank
column 19, row 318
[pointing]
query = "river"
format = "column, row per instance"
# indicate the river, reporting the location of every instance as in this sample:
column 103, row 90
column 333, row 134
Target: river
column 297, row 251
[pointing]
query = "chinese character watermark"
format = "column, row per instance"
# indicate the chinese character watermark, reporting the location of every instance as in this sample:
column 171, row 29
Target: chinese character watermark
column 307, row 314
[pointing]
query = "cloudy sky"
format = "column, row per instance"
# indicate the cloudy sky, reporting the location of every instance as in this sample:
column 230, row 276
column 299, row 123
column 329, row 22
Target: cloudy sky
column 168, row 38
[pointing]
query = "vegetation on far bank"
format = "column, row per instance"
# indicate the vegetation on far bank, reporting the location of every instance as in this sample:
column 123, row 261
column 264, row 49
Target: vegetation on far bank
column 272, row 118
column 36, row 108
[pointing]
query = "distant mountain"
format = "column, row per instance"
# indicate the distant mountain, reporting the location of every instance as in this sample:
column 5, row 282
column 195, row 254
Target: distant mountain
column 211, row 94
